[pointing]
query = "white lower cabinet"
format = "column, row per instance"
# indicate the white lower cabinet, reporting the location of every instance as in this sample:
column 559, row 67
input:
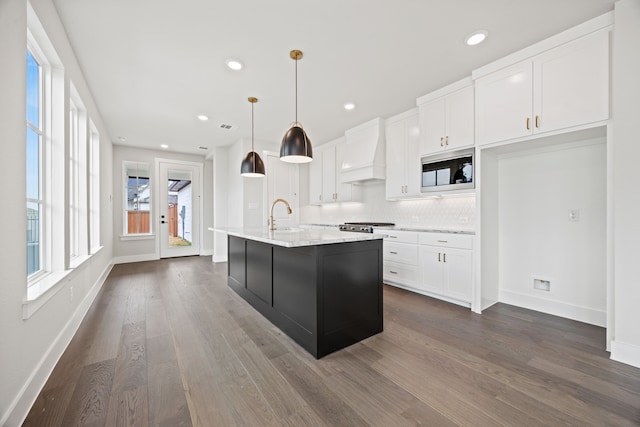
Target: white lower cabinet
column 447, row 271
column 435, row 264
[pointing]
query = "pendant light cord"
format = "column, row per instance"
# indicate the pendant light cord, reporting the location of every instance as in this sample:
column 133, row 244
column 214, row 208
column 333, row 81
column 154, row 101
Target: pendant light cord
column 296, row 90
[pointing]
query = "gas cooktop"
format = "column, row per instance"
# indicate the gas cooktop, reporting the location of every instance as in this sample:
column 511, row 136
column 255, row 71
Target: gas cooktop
column 363, row 227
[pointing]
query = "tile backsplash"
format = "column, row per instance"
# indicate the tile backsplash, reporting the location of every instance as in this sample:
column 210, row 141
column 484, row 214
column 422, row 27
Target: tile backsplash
column 449, row 211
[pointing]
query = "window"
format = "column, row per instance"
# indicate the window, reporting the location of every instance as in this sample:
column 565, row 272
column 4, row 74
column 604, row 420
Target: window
column 94, row 188
column 35, row 161
column 137, row 195
column 78, row 237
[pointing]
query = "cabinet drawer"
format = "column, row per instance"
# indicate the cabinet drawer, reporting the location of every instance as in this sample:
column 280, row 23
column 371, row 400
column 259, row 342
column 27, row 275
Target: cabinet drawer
column 402, row 274
column 401, row 252
column 447, row 240
column 399, row 236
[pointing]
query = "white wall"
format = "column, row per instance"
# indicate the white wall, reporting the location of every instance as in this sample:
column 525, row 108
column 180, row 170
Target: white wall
column 445, row 212
column 625, row 346
column 537, row 188
column 140, row 250
column 29, row 348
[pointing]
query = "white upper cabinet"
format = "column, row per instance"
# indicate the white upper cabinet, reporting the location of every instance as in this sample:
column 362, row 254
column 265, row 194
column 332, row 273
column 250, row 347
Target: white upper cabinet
column 402, row 135
column 315, row 179
column 564, row 87
column 447, row 118
column 324, row 175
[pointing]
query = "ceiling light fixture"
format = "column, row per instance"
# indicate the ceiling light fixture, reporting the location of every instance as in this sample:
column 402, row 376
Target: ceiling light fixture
column 476, row 37
column 234, row 64
column 252, row 165
column 296, row 147
column 202, row 117
column 349, row 106
column 164, row 146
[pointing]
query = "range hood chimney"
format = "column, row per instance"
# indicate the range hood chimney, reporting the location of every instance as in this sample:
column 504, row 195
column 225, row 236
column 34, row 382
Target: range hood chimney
column 364, row 157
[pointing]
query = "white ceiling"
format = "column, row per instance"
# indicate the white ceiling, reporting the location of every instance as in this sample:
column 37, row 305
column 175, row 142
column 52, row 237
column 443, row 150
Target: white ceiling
column 153, row 65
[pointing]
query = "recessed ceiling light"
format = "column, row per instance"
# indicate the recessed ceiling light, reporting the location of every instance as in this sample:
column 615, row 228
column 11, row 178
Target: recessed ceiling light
column 164, row 146
column 234, row 64
column 476, row 37
column 349, row 106
column 202, row 117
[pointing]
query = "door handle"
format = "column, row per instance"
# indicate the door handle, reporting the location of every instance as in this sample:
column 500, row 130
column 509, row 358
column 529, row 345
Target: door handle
column 163, row 222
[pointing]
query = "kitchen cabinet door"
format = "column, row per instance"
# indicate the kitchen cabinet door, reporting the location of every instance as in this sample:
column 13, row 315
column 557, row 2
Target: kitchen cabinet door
column 504, row 101
column 459, row 119
column 432, row 127
column 431, row 265
column 571, row 84
column 315, row 180
column 328, row 174
column 343, row 191
column 458, row 272
column 403, row 170
column 447, row 123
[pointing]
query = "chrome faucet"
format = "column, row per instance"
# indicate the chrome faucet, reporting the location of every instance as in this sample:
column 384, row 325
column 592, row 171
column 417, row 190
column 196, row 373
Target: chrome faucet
column 272, row 225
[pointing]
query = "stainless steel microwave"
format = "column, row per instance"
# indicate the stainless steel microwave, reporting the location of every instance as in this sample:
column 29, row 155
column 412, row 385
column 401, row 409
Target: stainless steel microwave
column 452, row 170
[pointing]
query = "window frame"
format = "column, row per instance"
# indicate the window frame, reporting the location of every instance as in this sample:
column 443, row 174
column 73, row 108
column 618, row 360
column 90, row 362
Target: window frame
column 94, row 188
column 39, row 128
column 138, row 167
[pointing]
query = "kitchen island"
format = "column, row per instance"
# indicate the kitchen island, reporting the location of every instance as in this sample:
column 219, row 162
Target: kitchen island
column 321, row 288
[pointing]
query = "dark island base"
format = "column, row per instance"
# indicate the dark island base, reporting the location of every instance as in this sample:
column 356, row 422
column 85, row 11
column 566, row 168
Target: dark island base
column 324, row 297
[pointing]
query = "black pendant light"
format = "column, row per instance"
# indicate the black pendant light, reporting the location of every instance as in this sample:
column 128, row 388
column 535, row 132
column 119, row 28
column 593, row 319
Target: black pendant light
column 296, row 147
column 252, row 165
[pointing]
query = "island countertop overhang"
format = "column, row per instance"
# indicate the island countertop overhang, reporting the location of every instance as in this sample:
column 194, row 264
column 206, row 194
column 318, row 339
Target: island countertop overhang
column 298, row 237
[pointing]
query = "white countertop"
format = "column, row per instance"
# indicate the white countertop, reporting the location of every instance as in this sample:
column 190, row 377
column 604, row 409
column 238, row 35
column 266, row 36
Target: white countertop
column 411, row 227
column 296, row 236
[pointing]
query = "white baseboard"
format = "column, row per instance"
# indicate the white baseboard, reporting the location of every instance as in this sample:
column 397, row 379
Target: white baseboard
column 27, row 396
column 557, row 308
column 134, row 258
column 219, row 258
column 428, row 294
column 625, row 353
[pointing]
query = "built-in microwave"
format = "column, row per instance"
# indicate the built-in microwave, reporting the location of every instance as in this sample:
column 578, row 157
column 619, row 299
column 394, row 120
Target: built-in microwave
column 452, row 170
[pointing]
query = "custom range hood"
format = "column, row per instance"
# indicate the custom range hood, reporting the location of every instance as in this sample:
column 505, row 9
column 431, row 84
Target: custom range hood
column 364, row 154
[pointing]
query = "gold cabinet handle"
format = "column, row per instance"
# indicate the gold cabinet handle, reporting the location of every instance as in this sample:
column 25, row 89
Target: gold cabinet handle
column 446, row 140
column 528, row 123
column 537, row 121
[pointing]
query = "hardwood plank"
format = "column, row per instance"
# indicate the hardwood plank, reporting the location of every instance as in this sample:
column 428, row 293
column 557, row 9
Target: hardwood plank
column 90, row 398
column 167, row 401
column 317, row 395
column 129, row 408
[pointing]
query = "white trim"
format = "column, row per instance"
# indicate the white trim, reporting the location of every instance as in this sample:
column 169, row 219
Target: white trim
column 134, row 258
column 444, row 91
column 595, row 24
column 145, row 236
column 206, row 252
column 588, row 315
column 625, row 352
column 429, row 294
column 200, row 190
column 26, row 397
column 219, row 258
column 42, row 291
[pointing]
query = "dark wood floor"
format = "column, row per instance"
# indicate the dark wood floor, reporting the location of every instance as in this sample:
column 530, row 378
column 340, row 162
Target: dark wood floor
column 166, row 343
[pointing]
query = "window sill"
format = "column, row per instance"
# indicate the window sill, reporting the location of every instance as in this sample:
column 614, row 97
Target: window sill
column 45, row 287
column 149, row 236
column 41, row 291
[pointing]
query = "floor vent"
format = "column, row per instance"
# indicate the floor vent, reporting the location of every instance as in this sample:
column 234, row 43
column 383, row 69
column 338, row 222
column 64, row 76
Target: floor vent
column 226, row 126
